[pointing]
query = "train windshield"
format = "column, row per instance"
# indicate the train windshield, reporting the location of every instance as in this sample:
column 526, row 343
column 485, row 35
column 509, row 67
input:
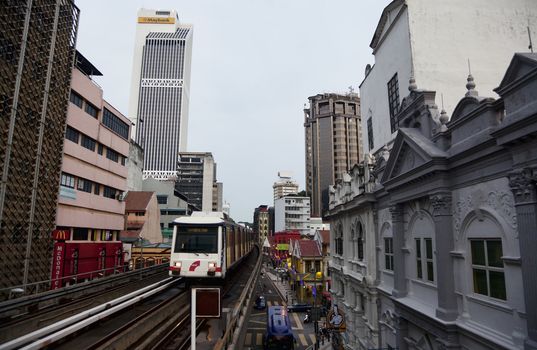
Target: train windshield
column 196, row 240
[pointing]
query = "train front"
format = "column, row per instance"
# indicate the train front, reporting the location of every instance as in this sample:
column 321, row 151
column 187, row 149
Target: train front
column 197, row 248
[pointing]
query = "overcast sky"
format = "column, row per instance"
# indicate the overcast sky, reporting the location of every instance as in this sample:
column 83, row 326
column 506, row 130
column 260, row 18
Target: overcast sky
column 254, row 65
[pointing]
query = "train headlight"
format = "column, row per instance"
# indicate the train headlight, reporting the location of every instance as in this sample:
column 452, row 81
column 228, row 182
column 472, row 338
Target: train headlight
column 212, row 265
column 178, row 264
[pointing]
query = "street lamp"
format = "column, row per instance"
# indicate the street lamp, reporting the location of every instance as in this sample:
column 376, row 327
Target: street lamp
column 316, row 275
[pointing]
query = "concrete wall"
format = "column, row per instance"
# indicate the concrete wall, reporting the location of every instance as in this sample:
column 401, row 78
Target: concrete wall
column 436, row 39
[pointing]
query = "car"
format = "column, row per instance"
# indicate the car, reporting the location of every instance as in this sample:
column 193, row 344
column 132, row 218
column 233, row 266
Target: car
column 260, row 303
column 300, row 307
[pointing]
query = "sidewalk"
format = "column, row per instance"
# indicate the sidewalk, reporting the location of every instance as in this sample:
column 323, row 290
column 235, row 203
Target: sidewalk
column 283, row 288
column 288, row 295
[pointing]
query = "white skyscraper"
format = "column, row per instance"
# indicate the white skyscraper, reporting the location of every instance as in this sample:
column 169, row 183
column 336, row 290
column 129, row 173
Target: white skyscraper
column 160, row 89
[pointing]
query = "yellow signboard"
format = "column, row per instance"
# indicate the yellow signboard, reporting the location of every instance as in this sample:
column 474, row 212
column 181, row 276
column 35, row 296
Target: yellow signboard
column 156, row 20
column 282, row 246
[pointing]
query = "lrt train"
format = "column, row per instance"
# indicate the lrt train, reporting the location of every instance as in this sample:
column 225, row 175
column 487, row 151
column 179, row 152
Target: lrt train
column 208, row 245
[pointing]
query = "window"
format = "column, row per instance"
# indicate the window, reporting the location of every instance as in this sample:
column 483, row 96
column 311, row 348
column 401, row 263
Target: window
column 370, row 133
column 100, row 149
column 88, row 143
column 107, row 235
column 115, row 124
column 393, row 101
column 122, row 160
column 360, row 242
column 91, row 110
column 388, row 253
column 72, row 134
column 80, row 234
column 352, row 109
column 76, row 99
column 339, row 242
column 162, row 199
column 67, row 180
column 112, row 155
column 424, row 263
column 487, row 268
column 109, row 192
column 96, row 189
column 84, row 185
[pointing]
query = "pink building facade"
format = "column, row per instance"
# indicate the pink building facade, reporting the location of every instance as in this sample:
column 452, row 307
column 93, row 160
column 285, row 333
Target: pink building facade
column 91, row 210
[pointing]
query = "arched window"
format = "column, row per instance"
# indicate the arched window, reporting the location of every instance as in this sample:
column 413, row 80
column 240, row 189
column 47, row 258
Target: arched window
column 339, row 241
column 360, row 242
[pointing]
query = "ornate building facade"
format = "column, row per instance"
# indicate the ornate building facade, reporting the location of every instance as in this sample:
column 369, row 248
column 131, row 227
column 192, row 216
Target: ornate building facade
column 433, row 238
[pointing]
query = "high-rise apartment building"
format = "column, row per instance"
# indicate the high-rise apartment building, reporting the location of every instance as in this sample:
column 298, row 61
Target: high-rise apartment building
column 160, row 89
column 196, row 179
column 284, row 186
column 332, row 133
column 36, row 60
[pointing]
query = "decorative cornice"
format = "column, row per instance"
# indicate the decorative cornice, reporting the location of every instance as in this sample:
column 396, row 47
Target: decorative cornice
column 522, row 183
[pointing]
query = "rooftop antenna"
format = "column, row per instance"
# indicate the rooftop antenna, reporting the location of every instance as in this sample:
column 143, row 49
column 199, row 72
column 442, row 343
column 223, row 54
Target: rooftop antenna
column 529, row 36
column 351, row 89
column 442, row 96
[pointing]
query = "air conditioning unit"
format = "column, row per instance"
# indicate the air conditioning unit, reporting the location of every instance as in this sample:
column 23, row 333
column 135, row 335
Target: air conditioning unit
column 121, row 196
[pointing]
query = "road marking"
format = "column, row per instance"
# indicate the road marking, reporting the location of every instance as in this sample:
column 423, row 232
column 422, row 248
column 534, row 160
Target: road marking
column 258, row 314
column 303, row 339
column 260, row 322
column 312, row 337
column 276, row 303
column 259, row 339
column 269, row 303
column 297, row 321
column 248, row 339
column 257, row 328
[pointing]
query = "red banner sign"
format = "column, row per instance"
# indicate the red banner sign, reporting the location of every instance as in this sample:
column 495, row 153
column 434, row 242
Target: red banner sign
column 57, row 265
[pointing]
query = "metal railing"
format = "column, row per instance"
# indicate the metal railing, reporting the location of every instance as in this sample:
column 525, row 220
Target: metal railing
column 238, row 314
column 71, row 280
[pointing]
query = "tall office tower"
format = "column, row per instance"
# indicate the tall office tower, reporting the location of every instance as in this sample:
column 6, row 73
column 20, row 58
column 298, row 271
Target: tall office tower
column 284, row 186
column 160, row 89
column 196, row 178
column 36, row 57
column 332, row 130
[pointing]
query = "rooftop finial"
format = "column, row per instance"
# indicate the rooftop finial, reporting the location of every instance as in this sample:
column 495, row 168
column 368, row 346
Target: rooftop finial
column 470, row 85
column 412, row 86
column 444, row 118
column 529, row 36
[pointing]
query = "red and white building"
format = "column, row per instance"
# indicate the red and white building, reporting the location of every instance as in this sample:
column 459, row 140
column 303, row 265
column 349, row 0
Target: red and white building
column 91, row 210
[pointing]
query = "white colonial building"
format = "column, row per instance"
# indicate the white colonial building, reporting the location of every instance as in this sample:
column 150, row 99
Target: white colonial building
column 434, row 242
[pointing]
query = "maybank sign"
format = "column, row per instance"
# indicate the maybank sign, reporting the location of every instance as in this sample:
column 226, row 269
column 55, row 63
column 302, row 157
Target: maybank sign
column 156, row 20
